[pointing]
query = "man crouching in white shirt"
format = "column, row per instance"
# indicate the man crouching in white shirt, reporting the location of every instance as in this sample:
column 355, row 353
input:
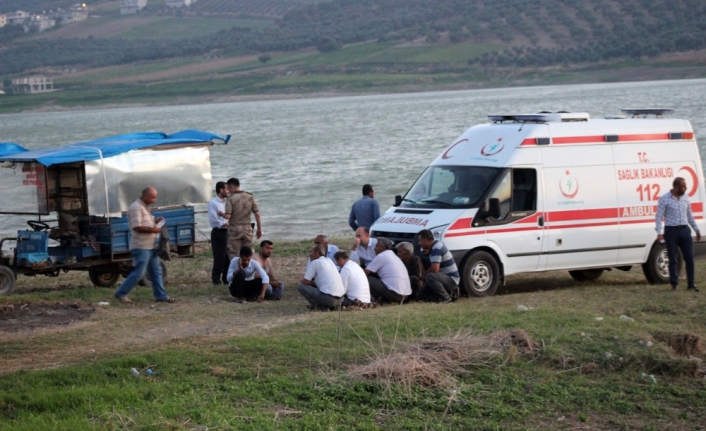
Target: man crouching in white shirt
column 354, row 281
column 387, row 275
column 321, row 285
column 241, row 276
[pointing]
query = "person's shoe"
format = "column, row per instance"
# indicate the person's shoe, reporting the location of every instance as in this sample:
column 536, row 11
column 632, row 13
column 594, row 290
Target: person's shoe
column 448, row 300
column 168, row 300
column 124, row 299
column 674, row 287
column 693, row 288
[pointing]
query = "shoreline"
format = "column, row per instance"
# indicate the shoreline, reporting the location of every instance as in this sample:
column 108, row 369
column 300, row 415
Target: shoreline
column 538, row 78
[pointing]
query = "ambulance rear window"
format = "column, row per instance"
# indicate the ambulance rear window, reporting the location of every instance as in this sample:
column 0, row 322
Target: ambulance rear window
column 450, row 187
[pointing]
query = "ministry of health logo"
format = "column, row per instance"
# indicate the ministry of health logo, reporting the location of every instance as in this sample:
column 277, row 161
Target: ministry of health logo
column 569, row 185
column 492, row 149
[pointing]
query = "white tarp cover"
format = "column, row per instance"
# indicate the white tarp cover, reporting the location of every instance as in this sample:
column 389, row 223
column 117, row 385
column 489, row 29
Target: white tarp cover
column 182, row 176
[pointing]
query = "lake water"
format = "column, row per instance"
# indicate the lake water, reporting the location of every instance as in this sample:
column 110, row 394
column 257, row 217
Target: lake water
column 306, row 160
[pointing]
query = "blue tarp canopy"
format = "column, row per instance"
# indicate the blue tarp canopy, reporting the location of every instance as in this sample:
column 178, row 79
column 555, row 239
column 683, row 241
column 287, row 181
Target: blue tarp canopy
column 7, row 148
column 107, row 147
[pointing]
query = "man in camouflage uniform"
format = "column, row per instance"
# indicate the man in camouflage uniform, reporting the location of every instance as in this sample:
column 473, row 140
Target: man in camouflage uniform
column 239, row 205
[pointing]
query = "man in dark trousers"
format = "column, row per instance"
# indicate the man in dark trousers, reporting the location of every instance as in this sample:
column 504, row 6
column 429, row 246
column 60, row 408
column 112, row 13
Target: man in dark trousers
column 442, row 277
column 219, row 234
column 239, row 205
column 675, row 209
column 365, row 210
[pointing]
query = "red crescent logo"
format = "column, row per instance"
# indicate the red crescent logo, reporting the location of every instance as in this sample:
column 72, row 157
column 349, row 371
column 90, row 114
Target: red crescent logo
column 572, row 195
column 445, row 155
column 694, row 179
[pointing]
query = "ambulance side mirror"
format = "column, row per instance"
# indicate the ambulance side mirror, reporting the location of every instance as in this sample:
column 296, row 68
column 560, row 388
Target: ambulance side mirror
column 398, row 200
column 493, row 208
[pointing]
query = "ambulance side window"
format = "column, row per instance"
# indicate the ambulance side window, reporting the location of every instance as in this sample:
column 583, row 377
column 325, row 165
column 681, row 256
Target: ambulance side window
column 524, row 190
column 517, row 193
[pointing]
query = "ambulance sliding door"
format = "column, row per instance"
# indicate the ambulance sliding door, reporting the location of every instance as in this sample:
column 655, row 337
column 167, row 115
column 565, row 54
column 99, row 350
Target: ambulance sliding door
column 581, row 204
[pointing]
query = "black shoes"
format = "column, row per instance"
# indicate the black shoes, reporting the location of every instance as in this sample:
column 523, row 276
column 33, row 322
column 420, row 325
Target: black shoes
column 690, row 288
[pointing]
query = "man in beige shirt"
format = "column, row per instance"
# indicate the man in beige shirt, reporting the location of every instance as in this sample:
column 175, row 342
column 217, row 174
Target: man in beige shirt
column 239, row 205
column 275, row 287
column 144, row 229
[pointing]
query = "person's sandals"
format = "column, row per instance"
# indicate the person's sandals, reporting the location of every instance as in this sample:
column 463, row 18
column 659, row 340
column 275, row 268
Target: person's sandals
column 124, row 299
column 168, row 299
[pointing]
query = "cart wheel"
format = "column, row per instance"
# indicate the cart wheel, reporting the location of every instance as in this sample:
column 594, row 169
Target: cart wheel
column 146, row 278
column 7, row 280
column 103, row 277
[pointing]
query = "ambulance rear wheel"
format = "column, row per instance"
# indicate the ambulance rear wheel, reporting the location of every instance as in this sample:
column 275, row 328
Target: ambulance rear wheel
column 586, row 274
column 7, row 280
column 656, row 269
column 481, row 274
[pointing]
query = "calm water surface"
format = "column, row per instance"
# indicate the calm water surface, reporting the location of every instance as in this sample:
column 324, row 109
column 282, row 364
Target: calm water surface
column 306, row 160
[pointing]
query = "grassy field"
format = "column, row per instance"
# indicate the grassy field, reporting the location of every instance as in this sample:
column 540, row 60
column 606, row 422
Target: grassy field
column 177, row 28
column 569, row 362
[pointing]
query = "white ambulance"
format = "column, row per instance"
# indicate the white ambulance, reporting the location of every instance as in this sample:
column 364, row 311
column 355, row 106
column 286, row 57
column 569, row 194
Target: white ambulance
column 552, row 191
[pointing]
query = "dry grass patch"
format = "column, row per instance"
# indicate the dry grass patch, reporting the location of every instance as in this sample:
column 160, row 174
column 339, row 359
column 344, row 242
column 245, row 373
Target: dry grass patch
column 434, row 363
column 682, row 344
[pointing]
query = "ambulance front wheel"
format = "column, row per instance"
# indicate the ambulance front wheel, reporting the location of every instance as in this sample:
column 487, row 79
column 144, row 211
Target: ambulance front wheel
column 656, row 269
column 481, row 274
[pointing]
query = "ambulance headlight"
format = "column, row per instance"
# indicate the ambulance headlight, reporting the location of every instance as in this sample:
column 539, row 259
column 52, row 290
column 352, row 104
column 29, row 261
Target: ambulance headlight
column 438, row 231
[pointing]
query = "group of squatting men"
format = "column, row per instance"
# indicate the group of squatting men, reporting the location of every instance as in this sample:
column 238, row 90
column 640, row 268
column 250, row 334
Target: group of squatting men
column 373, row 271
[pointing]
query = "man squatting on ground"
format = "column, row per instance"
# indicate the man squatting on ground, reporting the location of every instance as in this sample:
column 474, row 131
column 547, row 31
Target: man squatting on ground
column 675, row 209
column 142, row 246
column 363, row 250
column 276, row 287
column 442, row 277
column 321, row 284
column 241, row 276
column 365, row 210
column 355, row 283
column 239, row 205
column 330, row 249
column 414, row 265
column 393, row 282
column 219, row 234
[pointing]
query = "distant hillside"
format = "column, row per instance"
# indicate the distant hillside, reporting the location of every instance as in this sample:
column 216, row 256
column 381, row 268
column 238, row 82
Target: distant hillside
column 254, row 8
column 533, row 33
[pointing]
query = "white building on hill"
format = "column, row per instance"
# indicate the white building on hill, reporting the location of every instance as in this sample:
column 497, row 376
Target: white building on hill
column 180, row 3
column 77, row 12
column 34, row 84
column 3, row 20
column 128, row 7
column 19, row 17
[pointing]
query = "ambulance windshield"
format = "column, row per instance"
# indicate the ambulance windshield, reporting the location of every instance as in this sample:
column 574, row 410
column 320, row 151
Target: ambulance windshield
column 450, row 187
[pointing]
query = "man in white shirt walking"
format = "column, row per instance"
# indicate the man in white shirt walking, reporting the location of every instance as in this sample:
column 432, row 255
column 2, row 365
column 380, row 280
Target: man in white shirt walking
column 321, row 285
column 354, row 281
column 393, row 284
column 144, row 229
column 219, row 234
